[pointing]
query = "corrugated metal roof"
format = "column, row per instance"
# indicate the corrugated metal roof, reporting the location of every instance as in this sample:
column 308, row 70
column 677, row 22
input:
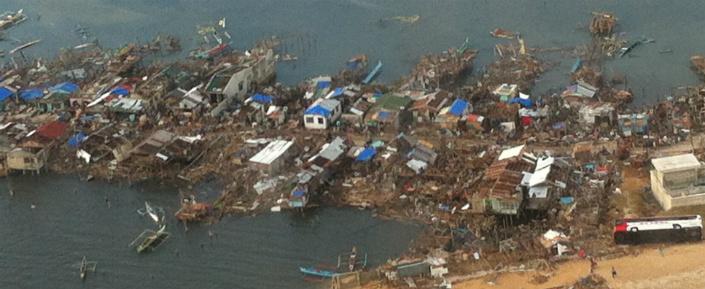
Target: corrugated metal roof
column 510, row 153
column 272, row 152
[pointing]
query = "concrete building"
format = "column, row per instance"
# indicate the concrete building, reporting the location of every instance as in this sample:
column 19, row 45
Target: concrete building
column 678, row 181
column 234, row 82
column 322, row 113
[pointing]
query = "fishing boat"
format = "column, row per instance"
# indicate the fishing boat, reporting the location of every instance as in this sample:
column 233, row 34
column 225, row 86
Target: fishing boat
column 501, row 33
column 86, row 266
column 313, row 271
column 26, row 45
column 153, row 213
column 354, row 263
column 375, row 71
column 150, row 240
column 9, row 19
column 407, row 19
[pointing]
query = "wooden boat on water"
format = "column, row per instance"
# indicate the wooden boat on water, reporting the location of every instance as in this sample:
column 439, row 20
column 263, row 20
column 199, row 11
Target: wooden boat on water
column 501, row 33
column 321, row 273
column 9, row 19
column 86, row 266
column 353, row 263
column 150, row 240
column 375, row 71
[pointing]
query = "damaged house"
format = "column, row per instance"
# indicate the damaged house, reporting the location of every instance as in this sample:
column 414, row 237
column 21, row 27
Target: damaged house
column 33, row 151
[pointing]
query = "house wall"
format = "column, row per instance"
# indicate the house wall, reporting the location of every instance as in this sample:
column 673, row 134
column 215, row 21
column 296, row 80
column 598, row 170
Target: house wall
column 319, row 121
column 25, row 160
column 669, row 198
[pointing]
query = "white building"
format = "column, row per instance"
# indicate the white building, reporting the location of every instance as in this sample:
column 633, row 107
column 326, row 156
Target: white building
column 274, row 156
column 678, row 181
column 322, row 113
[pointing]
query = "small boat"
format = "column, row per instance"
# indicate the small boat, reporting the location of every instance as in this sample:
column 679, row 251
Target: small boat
column 9, row 19
column 501, row 33
column 313, row 271
column 354, row 263
column 375, row 71
column 152, row 240
column 26, row 45
column 578, row 63
column 289, row 57
column 86, row 266
column 407, row 19
column 625, row 50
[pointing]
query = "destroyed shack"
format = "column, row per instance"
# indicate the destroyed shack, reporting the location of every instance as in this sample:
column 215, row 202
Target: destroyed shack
column 58, row 97
column 678, row 181
column 428, row 106
column 166, row 147
column 633, row 124
column 317, row 171
column 597, row 113
column 273, row 158
column 32, row 152
column 500, row 192
column 389, row 111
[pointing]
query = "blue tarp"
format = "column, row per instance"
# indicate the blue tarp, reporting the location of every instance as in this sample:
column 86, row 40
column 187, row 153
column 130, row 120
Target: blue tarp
column 65, row 87
column 567, row 200
column 4, row 94
column 262, row 98
column 366, row 154
column 384, row 115
column 319, row 110
column 298, row 193
column 120, row 91
column 527, row 103
column 76, row 140
column 338, row 91
column 323, row 85
column 458, row 108
column 31, row 94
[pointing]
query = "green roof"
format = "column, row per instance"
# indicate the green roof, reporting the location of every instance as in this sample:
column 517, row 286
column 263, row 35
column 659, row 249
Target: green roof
column 393, row 102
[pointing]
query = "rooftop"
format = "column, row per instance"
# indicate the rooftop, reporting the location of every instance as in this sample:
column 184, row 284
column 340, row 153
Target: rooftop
column 676, row 163
column 272, row 152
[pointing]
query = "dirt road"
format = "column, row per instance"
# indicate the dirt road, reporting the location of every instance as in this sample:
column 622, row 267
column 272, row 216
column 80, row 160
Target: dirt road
column 677, row 267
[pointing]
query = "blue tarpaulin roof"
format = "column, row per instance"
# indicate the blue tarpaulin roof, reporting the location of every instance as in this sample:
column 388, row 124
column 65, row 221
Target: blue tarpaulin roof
column 528, row 103
column 320, row 110
column 338, row 91
column 120, row 91
column 5, row 94
column 384, row 115
column 366, row 154
column 262, row 98
column 458, row 108
column 31, row 94
column 65, row 87
column 298, row 193
column 76, row 140
column 323, row 84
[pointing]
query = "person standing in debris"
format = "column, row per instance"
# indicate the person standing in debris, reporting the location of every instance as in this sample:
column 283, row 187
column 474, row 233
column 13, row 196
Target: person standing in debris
column 614, row 273
column 593, row 264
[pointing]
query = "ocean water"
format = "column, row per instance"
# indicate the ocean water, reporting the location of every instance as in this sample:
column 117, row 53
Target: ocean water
column 41, row 247
column 325, row 33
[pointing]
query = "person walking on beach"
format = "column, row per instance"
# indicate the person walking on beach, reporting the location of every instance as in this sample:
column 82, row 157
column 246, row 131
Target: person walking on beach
column 614, row 273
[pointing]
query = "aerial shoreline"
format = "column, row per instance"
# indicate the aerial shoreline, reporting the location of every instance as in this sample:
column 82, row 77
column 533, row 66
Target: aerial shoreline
column 486, row 165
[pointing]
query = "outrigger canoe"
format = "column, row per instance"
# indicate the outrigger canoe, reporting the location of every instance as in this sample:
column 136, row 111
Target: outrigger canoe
column 312, row 271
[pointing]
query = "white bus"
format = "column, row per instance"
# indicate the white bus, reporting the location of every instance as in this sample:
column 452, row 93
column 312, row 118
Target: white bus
column 658, row 229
